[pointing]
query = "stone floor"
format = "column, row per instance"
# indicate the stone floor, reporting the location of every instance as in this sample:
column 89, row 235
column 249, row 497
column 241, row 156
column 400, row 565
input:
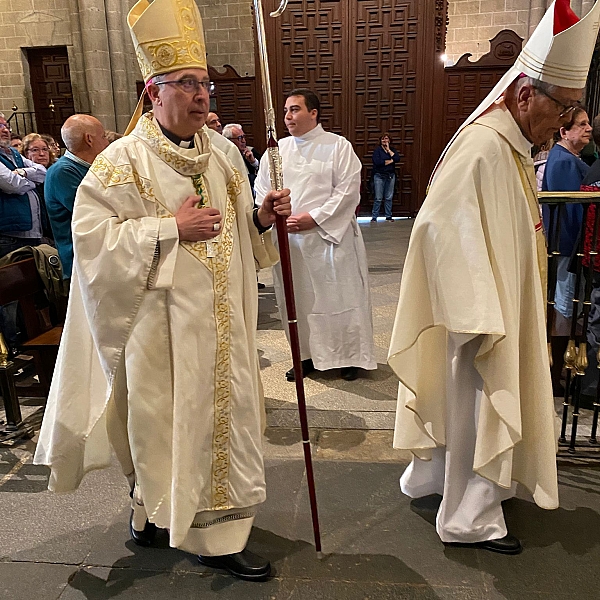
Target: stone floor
column 77, row 547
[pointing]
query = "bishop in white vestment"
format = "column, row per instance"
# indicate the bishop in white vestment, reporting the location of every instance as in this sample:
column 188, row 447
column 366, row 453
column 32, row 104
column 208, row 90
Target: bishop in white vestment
column 328, row 256
column 475, row 403
column 158, row 357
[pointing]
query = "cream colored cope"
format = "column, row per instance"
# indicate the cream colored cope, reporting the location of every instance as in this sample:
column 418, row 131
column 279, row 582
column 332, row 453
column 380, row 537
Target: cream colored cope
column 474, row 266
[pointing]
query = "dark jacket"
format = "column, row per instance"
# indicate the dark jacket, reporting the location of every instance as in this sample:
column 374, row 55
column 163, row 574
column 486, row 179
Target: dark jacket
column 379, row 158
column 564, row 173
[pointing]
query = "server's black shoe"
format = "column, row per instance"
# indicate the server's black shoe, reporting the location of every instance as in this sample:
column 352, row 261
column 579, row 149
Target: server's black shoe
column 509, row 544
column 243, row 565
column 307, row 368
column 145, row 537
column 349, row 373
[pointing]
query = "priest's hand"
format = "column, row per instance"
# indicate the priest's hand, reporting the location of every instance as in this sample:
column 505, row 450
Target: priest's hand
column 197, row 224
column 275, row 203
column 300, row 222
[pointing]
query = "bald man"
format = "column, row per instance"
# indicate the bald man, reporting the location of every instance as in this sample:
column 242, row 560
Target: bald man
column 213, row 122
column 85, row 138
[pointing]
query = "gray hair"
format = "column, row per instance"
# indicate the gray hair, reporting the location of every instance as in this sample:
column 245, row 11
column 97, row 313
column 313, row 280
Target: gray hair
column 228, row 130
column 549, row 88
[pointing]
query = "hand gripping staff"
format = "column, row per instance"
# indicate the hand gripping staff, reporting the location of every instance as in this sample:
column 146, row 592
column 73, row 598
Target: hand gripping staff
column 284, row 252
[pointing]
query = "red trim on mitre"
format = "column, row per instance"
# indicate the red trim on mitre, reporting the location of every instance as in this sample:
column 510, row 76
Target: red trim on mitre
column 564, row 17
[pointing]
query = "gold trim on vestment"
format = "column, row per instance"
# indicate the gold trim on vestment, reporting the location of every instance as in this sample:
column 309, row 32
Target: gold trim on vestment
column 219, row 267
column 534, row 208
column 111, row 175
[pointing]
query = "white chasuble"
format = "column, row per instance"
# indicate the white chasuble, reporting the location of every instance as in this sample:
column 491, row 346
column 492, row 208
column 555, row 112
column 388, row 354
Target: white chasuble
column 162, row 332
column 475, row 265
column 329, row 263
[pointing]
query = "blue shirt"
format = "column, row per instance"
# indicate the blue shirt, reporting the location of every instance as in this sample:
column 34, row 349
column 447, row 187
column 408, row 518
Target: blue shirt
column 62, row 181
column 564, row 173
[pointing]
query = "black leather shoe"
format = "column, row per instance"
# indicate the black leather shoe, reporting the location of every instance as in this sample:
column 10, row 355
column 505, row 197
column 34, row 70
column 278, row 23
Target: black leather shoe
column 509, row 544
column 261, row 286
column 307, row 368
column 142, row 538
column 350, row 373
column 243, row 565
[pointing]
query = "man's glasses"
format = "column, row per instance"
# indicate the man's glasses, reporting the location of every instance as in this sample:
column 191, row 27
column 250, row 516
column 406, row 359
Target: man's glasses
column 5, row 126
column 240, row 138
column 566, row 108
column 190, row 85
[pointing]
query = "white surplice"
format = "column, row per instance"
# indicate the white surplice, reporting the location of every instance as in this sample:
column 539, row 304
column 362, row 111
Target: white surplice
column 476, row 265
column 158, row 353
column 329, row 262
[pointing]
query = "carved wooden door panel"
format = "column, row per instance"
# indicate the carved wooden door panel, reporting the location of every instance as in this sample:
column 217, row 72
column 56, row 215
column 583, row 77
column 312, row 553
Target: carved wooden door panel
column 385, row 76
column 51, row 88
column 373, row 63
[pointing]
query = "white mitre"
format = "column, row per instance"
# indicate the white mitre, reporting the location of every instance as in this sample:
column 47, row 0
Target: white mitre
column 559, row 52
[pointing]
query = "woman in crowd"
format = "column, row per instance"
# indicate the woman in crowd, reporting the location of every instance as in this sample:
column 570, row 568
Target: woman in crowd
column 53, row 145
column 384, row 176
column 565, row 172
column 36, row 149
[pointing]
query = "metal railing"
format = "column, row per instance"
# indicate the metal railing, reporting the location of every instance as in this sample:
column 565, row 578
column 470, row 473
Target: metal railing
column 22, row 122
column 576, row 361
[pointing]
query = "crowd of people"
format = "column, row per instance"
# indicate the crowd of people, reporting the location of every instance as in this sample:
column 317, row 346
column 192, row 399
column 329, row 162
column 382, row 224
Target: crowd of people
column 163, row 242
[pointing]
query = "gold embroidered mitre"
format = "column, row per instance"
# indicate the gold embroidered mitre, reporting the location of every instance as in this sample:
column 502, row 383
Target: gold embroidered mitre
column 167, row 36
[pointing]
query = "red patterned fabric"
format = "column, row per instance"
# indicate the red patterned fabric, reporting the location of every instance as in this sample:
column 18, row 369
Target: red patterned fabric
column 589, row 231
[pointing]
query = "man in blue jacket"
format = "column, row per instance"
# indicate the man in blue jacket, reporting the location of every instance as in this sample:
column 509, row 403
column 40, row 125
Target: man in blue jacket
column 21, row 213
column 85, row 138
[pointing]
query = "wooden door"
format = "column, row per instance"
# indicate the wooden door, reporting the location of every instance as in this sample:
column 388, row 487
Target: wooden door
column 375, row 65
column 51, row 88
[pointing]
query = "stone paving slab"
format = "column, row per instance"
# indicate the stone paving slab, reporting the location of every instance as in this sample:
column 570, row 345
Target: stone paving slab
column 77, row 546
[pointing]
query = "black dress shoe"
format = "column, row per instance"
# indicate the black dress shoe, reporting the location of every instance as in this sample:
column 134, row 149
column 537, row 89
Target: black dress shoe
column 307, row 368
column 349, row 373
column 261, row 286
column 243, row 565
column 509, row 544
column 142, row 538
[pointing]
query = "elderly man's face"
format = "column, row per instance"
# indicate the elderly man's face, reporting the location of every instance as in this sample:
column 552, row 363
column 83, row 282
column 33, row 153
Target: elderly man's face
column 213, row 122
column 544, row 114
column 239, row 138
column 181, row 101
column 4, row 133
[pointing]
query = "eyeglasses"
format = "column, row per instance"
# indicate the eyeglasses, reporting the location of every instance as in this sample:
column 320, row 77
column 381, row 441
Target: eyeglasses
column 189, row 85
column 566, row 108
column 240, row 138
column 38, row 150
column 5, row 126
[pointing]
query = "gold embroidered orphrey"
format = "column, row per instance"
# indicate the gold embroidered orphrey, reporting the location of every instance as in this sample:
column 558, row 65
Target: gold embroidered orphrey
column 110, row 175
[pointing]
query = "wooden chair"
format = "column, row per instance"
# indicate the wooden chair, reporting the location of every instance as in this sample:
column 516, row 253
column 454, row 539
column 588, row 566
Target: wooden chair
column 20, row 282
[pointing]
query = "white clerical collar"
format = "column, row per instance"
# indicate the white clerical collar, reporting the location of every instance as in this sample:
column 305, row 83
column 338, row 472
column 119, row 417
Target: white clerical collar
column 312, row 134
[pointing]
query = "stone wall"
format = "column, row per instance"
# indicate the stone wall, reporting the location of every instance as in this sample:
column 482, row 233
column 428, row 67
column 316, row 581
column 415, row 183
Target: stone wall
column 472, row 23
column 229, row 34
column 103, row 67
column 25, row 24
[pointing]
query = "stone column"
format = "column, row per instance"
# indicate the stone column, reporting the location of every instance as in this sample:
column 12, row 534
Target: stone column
column 90, row 17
